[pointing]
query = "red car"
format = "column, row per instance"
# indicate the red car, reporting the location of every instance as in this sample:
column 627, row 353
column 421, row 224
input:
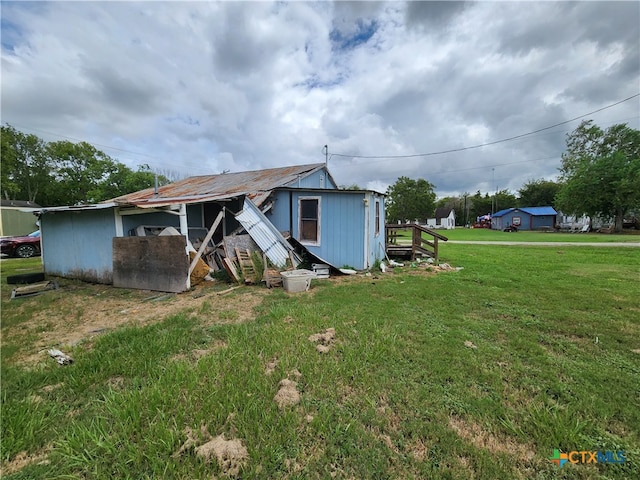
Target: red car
column 23, row 247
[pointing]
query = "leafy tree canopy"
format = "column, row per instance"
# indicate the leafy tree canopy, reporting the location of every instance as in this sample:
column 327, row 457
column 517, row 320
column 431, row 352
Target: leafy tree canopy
column 538, row 193
column 409, row 199
column 64, row 173
column 601, row 172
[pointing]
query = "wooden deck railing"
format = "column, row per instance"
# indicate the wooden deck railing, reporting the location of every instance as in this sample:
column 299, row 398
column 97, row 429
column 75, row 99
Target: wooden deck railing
column 423, row 242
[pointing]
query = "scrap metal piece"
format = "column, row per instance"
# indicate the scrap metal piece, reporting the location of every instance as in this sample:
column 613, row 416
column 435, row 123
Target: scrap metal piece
column 60, row 357
column 35, row 289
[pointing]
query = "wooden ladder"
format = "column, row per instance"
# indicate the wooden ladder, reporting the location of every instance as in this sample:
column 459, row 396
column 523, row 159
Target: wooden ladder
column 246, row 265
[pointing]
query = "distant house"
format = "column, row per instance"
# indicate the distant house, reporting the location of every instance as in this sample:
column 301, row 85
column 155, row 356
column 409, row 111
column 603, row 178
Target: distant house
column 301, row 203
column 525, row 218
column 17, row 218
column 443, row 218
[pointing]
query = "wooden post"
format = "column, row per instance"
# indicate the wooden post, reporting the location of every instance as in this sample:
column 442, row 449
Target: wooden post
column 206, row 241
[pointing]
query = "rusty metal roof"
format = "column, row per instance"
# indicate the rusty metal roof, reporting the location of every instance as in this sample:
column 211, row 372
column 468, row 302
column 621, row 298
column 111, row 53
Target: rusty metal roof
column 219, row 187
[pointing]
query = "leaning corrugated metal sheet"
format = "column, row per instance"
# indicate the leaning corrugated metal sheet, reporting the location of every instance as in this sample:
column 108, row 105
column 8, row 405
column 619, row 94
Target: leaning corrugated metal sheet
column 268, row 238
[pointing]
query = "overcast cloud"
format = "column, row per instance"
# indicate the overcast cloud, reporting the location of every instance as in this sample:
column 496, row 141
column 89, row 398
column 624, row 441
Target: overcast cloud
column 200, row 88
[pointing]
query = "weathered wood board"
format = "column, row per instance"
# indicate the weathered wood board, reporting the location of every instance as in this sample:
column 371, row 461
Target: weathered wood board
column 151, row 263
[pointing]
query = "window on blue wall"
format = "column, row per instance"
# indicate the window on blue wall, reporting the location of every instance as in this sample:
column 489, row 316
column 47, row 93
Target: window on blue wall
column 309, row 214
column 377, row 217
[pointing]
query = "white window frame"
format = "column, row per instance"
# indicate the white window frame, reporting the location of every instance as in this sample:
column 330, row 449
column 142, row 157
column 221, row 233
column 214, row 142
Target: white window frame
column 319, row 222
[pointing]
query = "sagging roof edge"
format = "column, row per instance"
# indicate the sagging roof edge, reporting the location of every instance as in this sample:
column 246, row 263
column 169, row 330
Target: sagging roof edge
column 331, row 190
column 257, row 198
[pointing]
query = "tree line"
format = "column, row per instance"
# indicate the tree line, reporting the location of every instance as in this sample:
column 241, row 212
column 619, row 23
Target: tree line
column 65, row 173
column 599, row 177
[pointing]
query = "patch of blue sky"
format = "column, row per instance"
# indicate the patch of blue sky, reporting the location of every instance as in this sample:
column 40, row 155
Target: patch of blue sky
column 315, row 82
column 11, row 34
column 362, row 35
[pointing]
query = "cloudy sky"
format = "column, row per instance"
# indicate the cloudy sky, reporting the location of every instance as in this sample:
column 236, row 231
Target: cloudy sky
column 202, row 87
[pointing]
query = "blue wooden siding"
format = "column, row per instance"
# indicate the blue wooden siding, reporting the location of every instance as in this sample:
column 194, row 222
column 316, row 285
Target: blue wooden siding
column 79, row 244
column 319, row 179
column 347, row 229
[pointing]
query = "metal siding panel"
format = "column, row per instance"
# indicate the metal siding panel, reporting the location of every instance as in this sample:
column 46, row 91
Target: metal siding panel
column 78, row 244
column 15, row 222
column 542, row 221
column 264, row 234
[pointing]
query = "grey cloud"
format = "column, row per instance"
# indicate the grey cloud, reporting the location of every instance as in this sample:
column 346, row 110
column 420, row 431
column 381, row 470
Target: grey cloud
column 433, row 14
column 561, row 26
column 124, row 91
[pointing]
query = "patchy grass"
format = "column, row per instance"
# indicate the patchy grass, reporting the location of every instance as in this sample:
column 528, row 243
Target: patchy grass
column 397, row 393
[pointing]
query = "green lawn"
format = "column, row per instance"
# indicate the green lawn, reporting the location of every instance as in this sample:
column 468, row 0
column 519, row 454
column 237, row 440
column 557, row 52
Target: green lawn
column 484, row 234
column 478, row 373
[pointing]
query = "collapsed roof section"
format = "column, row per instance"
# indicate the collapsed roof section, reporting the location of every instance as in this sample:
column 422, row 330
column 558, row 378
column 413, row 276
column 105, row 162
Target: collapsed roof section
column 256, row 184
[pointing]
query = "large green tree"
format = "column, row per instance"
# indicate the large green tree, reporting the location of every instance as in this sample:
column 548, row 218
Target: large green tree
column 409, row 199
column 601, row 172
column 538, row 193
column 25, row 166
column 65, row 173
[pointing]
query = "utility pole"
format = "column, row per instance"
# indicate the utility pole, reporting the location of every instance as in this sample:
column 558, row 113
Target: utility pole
column 493, row 181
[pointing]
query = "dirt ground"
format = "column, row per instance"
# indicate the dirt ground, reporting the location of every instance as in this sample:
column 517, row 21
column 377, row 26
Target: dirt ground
column 82, row 311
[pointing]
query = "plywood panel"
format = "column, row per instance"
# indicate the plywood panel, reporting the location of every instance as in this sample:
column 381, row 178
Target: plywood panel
column 150, row 263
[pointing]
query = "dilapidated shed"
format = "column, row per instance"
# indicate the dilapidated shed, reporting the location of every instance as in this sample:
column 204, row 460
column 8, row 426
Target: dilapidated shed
column 297, row 206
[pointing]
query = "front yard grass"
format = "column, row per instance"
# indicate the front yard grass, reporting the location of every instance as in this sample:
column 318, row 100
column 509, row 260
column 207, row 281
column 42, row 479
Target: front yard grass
column 478, row 373
column 485, row 234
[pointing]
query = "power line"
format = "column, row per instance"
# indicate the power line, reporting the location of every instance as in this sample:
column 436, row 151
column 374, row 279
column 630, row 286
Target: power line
column 488, row 143
column 83, row 141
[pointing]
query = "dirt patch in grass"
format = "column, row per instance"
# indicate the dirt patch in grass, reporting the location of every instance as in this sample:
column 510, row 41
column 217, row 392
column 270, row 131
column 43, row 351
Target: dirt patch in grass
column 22, row 459
column 79, row 314
column 230, row 455
column 472, row 432
column 417, row 449
column 116, row 383
column 198, row 353
column 323, row 340
column 271, row 366
column 287, row 394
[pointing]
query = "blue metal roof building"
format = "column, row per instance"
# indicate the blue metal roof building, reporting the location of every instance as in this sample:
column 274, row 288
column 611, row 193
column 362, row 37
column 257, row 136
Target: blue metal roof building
column 525, row 218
